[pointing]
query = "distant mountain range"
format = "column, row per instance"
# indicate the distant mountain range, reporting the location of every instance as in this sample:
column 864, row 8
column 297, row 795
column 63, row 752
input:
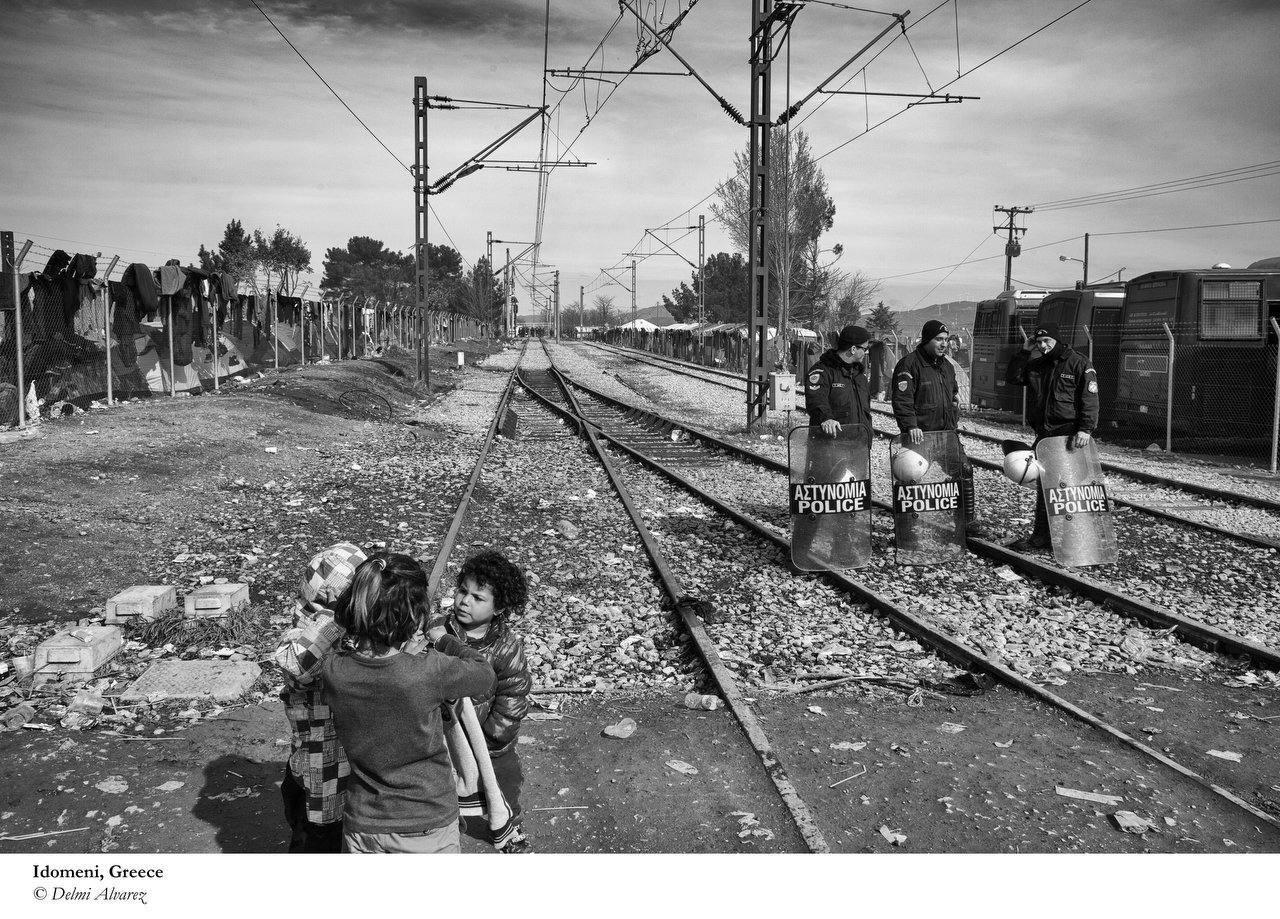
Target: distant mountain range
column 956, row 315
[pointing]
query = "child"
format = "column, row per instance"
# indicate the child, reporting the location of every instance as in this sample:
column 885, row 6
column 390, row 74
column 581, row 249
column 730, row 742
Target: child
column 315, row 777
column 386, row 709
column 490, row 588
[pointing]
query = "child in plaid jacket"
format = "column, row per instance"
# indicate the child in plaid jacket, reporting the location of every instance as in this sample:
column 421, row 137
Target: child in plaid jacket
column 315, row 776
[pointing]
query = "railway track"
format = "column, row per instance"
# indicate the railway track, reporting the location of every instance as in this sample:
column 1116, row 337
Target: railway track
column 1250, row 518
column 865, row 587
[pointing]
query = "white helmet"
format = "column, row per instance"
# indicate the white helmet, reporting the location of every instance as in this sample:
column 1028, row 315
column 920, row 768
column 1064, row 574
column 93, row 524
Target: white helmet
column 1020, row 467
column 909, row 466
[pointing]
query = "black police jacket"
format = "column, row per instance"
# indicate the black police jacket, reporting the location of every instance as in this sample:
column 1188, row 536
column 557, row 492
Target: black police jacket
column 924, row 393
column 837, row 391
column 1062, row 390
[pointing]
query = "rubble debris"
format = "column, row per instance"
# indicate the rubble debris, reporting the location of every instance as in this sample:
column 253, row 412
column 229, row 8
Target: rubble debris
column 1226, row 754
column 622, row 730
column 893, row 837
column 1094, row 796
column 1129, row 822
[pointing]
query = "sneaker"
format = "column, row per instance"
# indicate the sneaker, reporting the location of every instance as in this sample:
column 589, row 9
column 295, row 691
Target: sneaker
column 1030, row 543
column 518, row 846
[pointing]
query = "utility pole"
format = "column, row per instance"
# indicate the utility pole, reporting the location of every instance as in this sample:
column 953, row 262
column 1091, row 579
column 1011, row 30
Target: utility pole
column 423, row 372
column 1012, row 248
column 634, row 314
column 508, row 314
column 759, row 123
column 582, row 305
column 557, row 311
column 702, row 281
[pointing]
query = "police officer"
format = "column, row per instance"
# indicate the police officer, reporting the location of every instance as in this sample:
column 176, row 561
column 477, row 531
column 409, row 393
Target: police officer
column 926, row 398
column 838, row 391
column 1062, row 398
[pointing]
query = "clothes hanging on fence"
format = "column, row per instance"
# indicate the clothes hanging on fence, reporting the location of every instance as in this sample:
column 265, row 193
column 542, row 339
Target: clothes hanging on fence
column 172, row 278
column 145, row 290
column 289, row 308
column 124, row 321
column 179, row 316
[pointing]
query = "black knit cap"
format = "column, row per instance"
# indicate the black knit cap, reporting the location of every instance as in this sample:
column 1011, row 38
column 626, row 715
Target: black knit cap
column 1048, row 330
column 852, row 335
column 932, row 329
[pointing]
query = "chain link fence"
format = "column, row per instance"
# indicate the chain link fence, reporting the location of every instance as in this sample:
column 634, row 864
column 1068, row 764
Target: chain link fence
column 70, row 336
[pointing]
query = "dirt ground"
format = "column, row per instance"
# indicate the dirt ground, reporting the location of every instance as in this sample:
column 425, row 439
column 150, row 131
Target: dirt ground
column 189, row 490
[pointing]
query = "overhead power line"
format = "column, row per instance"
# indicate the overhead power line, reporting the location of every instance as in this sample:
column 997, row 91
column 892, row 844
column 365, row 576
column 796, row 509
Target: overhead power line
column 1207, row 180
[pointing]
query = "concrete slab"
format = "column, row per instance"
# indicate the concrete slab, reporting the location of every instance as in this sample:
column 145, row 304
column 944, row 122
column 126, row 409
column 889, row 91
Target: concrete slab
column 76, row 653
column 224, row 681
column 145, row 600
column 214, row 601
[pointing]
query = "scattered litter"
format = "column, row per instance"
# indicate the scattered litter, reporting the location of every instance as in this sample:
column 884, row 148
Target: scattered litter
column 113, row 785
column 949, row 727
column 894, row 837
column 234, row 795
column 1004, row 746
column 1095, row 797
column 1005, row 573
column 1169, row 821
column 170, row 786
column 1150, row 730
column 849, row 745
column 682, row 767
column 697, row 700
column 622, row 730
column 817, row 710
column 856, row 775
column 545, row 716
column 1130, row 822
column 17, row 717
column 1226, row 754
column 272, row 449
column 79, row 829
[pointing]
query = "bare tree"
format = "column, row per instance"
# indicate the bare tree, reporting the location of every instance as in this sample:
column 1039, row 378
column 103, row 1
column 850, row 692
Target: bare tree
column 603, row 313
column 800, row 210
column 853, row 296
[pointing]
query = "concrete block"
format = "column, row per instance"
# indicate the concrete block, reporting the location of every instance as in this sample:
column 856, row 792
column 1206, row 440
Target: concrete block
column 224, row 681
column 76, row 653
column 213, row 601
column 142, row 600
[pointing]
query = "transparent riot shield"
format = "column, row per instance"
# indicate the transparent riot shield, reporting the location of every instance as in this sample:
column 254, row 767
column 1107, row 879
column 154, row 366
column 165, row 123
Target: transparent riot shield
column 928, row 506
column 1081, row 527
column 830, row 497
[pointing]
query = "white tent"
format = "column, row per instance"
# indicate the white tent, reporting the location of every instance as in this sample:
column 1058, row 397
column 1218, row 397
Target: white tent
column 643, row 325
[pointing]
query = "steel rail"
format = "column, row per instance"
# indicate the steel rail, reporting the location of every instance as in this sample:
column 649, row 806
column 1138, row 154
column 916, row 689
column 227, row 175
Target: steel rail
column 1151, row 478
column 799, row 810
column 1254, row 539
column 953, row 649
column 464, row 503
column 1198, row 633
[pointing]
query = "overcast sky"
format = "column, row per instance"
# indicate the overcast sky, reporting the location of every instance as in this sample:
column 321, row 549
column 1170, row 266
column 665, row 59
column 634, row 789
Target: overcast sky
column 140, row 129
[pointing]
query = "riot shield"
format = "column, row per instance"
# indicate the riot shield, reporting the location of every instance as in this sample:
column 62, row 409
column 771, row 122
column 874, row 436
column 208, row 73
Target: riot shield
column 928, row 509
column 830, row 497
column 1081, row 527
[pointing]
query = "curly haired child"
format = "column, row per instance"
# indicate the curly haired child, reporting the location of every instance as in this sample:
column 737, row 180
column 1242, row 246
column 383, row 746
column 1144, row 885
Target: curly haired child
column 490, row 589
column 386, row 709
